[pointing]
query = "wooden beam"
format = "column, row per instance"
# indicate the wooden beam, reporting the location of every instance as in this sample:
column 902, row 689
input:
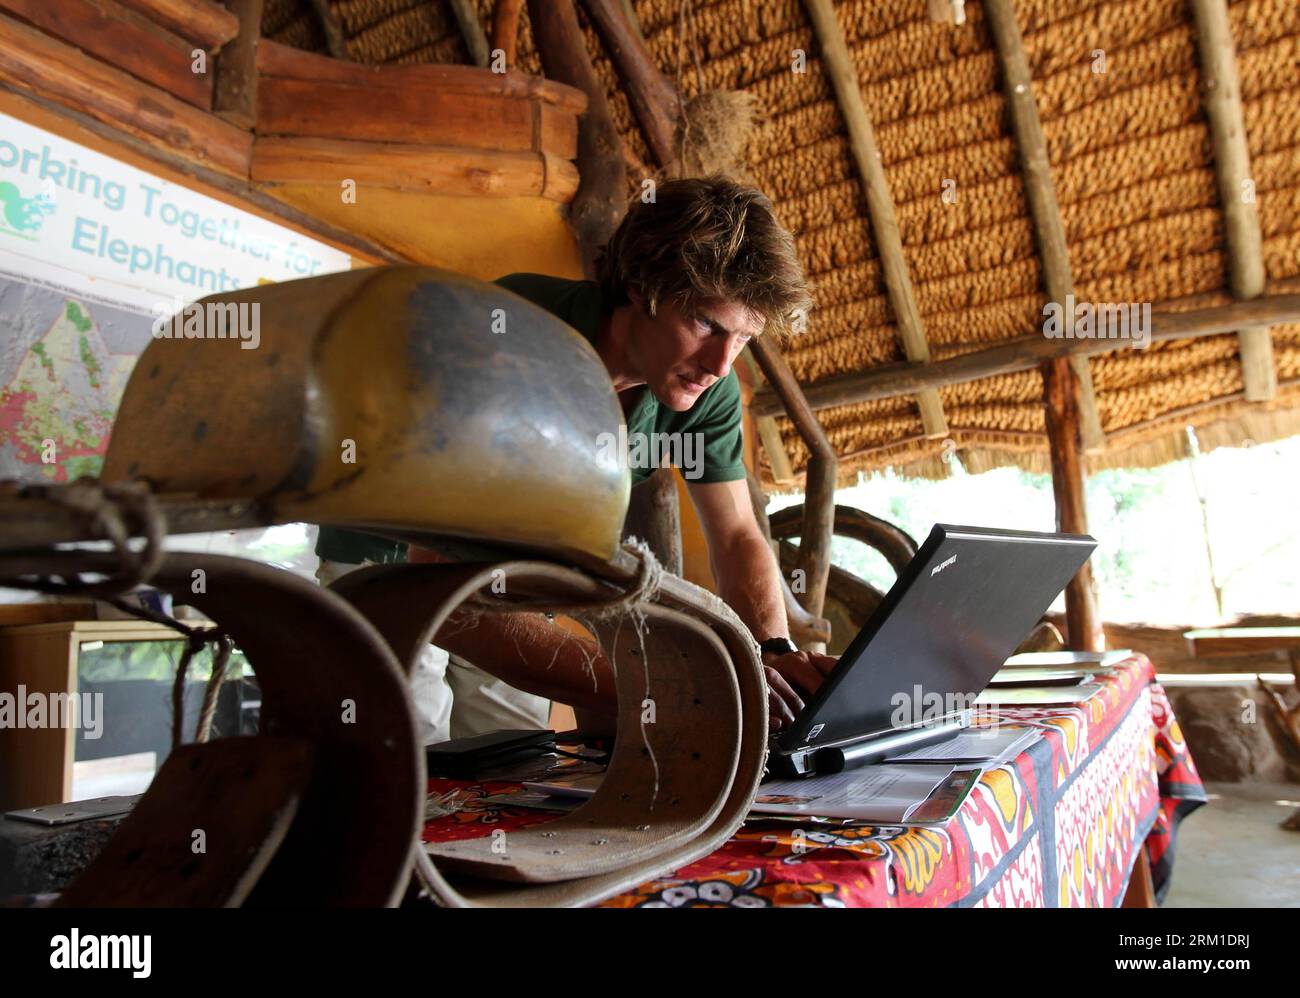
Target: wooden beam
column 209, row 25
column 177, row 167
column 1061, row 396
column 1222, row 95
column 819, row 483
column 424, row 169
column 1040, row 189
column 1027, row 352
column 35, row 63
column 843, row 74
column 286, row 62
column 123, row 38
column 654, row 99
column 235, row 97
column 601, row 201
column 471, row 30
column 375, row 112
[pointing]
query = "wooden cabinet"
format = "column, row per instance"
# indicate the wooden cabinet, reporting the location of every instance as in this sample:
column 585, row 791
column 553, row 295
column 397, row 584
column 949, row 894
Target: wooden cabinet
column 36, row 762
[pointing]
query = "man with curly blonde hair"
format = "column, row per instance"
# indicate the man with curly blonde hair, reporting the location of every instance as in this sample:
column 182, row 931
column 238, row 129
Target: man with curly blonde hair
column 686, row 281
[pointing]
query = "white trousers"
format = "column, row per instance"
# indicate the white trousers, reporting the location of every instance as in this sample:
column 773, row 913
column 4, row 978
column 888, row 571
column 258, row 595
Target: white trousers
column 454, row 698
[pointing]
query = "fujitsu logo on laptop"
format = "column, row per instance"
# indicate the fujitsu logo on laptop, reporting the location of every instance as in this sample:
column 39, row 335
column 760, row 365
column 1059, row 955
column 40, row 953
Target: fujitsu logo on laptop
column 942, row 565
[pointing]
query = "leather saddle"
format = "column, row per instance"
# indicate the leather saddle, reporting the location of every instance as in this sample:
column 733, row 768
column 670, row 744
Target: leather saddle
column 439, row 410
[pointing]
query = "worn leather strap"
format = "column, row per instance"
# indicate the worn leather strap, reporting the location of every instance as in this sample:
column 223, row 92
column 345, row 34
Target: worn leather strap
column 675, row 789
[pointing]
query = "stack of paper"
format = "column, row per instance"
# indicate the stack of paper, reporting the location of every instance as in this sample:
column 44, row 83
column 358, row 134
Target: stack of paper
column 1036, row 696
column 1067, row 659
column 991, row 746
column 882, row 794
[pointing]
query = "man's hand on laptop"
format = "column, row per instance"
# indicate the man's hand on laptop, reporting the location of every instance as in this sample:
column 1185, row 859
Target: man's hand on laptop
column 792, row 678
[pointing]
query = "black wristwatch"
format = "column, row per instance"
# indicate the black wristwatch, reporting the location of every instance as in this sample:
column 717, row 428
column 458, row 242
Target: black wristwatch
column 777, row 646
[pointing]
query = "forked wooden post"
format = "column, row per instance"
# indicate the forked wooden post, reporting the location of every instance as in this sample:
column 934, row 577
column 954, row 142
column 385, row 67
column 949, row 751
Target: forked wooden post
column 768, row 433
column 819, row 485
column 1060, row 395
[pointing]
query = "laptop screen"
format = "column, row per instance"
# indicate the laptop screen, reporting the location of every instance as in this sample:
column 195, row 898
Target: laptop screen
column 964, row 602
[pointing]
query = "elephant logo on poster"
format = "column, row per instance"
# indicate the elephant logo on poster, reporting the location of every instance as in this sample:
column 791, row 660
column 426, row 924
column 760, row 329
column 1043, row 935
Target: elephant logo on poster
column 24, row 215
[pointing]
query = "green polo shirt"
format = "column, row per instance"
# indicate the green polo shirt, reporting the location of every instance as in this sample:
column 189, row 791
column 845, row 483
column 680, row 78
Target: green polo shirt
column 654, row 432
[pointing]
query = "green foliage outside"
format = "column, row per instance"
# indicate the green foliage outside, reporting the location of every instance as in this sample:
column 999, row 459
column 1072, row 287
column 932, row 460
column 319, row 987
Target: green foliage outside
column 1152, row 563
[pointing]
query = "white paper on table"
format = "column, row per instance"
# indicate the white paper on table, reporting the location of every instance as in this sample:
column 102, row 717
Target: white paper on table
column 1034, row 696
column 1067, row 659
column 990, row 745
column 881, row 793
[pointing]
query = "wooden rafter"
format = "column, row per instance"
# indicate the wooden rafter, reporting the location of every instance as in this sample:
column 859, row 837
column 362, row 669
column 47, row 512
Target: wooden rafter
column 1222, row 94
column 1040, row 190
column 652, row 95
column 1027, row 352
column 843, row 75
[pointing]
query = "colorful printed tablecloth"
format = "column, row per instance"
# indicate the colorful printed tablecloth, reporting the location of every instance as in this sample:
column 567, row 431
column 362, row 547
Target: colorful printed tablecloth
column 1060, row 825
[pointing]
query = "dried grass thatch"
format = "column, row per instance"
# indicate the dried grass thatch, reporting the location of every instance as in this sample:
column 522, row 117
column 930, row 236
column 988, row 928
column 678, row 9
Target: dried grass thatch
column 1130, row 152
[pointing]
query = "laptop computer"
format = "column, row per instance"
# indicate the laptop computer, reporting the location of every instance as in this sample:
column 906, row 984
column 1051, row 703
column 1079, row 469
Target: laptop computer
column 964, row 602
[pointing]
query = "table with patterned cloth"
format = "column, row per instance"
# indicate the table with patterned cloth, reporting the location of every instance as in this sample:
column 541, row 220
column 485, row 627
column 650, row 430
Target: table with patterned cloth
column 1060, row 825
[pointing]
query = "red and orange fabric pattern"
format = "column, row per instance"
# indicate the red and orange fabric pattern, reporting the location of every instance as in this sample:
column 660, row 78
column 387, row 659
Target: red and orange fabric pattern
column 1060, row 825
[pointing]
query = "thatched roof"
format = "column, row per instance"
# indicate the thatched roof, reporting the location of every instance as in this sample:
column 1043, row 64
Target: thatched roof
column 1132, row 160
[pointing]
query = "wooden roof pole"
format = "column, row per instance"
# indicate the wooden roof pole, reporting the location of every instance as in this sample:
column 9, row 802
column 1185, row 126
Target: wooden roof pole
column 1027, row 352
column 471, row 30
column 843, row 75
column 652, row 95
column 1040, row 189
column 505, row 29
column 1222, row 95
column 1063, row 389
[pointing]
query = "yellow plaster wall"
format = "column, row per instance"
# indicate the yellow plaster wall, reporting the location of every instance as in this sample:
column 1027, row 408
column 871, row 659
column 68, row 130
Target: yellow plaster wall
column 483, row 237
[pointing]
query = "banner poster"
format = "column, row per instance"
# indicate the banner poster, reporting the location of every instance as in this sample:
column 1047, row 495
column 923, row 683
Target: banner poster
column 92, row 252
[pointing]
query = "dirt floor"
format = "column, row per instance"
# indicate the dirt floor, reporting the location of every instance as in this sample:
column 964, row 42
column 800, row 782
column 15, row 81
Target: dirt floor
column 1233, row 852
